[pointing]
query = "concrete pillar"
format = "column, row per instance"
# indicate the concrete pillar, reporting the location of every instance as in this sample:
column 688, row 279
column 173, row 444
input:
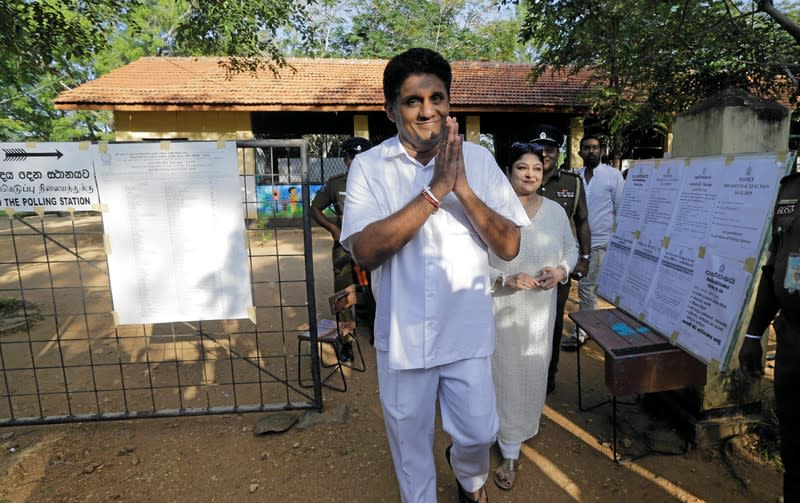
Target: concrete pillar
column 361, row 126
column 472, row 132
column 574, row 161
column 729, row 122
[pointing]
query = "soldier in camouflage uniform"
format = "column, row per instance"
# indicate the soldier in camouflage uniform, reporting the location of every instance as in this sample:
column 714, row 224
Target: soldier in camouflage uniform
column 333, row 194
column 565, row 188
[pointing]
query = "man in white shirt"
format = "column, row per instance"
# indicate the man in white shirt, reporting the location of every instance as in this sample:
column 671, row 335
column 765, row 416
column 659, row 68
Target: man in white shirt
column 421, row 210
column 603, row 187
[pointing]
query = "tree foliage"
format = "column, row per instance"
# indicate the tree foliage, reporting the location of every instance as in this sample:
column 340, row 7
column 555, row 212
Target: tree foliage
column 53, row 45
column 247, row 32
column 652, row 58
column 47, row 47
column 459, row 29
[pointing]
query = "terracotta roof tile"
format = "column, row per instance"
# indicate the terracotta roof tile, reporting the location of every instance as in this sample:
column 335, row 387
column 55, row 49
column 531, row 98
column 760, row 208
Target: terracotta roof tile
column 158, row 83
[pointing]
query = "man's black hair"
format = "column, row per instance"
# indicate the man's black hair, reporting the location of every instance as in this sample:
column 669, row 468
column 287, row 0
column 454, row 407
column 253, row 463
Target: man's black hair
column 414, row 61
column 591, row 137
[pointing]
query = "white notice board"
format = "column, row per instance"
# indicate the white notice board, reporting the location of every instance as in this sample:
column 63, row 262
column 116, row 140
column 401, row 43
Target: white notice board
column 174, row 225
column 688, row 238
column 48, row 176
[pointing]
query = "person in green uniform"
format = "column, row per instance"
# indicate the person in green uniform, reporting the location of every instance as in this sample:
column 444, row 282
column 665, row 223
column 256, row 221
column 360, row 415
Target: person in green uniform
column 779, row 294
column 332, row 194
column 565, row 188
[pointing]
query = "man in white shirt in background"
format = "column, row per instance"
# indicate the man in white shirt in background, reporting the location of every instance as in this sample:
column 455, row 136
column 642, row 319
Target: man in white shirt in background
column 421, row 210
column 603, row 186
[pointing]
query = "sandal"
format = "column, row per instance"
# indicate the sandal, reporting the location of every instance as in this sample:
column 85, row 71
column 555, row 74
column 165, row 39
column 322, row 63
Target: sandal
column 506, row 474
column 463, row 496
column 574, row 342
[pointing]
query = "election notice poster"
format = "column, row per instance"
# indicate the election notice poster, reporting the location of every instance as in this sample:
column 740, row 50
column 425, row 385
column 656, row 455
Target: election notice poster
column 48, row 176
column 687, row 241
column 176, row 241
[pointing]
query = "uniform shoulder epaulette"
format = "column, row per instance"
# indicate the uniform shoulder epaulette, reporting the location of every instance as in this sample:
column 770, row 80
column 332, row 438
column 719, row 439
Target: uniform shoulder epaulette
column 568, row 172
column 790, row 176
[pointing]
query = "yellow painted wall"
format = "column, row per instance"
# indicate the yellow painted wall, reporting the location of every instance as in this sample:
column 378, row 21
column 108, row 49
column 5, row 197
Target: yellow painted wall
column 361, row 126
column 211, row 125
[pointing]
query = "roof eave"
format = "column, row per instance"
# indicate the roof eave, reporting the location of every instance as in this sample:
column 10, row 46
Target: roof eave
column 238, row 107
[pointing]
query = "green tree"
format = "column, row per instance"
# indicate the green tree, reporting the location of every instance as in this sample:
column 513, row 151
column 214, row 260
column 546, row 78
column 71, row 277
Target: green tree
column 651, row 59
column 150, row 30
column 46, row 47
column 53, row 45
column 459, row 29
column 246, row 32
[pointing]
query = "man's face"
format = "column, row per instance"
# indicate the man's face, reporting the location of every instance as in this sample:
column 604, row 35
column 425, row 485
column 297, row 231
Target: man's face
column 419, row 112
column 550, row 154
column 590, row 153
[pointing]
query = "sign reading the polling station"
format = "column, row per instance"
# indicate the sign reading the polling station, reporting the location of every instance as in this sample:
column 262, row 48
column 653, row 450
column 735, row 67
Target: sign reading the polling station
column 48, row 176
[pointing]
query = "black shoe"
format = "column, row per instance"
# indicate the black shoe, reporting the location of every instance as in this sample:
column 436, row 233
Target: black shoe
column 346, row 353
column 463, row 497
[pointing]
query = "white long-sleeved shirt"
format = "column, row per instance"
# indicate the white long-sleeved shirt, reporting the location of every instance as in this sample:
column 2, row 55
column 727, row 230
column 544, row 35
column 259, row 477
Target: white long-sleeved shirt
column 433, row 296
column 603, row 198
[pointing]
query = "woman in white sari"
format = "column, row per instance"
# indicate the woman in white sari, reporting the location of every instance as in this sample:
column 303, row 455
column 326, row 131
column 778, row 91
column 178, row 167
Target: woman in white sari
column 524, row 300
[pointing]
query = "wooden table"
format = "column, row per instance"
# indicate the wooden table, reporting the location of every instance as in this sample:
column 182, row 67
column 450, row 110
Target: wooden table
column 637, row 360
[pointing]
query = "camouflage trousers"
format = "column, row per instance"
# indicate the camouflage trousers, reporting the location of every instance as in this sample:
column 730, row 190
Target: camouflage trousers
column 343, row 276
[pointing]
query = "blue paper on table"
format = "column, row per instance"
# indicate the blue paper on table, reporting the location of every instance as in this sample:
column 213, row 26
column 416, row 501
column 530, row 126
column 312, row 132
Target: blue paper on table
column 622, row 329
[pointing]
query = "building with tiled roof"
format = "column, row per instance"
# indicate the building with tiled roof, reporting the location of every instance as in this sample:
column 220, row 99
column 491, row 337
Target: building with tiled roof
column 156, row 83
column 190, row 97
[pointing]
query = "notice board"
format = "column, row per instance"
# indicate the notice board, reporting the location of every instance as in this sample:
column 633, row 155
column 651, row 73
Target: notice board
column 174, row 230
column 688, row 239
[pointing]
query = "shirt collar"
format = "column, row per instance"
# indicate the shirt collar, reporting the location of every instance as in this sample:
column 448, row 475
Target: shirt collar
column 392, row 148
column 555, row 177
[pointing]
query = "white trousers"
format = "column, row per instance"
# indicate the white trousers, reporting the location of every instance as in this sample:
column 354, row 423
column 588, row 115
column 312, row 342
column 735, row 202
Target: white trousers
column 467, row 402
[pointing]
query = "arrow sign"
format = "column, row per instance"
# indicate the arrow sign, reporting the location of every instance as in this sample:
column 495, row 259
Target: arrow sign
column 19, row 154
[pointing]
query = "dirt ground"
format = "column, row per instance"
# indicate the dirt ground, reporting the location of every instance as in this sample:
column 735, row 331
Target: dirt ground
column 218, row 458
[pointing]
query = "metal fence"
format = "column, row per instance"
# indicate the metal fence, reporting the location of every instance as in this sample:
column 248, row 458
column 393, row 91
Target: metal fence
column 62, row 358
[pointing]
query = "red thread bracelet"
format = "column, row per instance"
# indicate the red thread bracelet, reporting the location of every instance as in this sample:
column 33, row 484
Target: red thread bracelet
column 426, row 194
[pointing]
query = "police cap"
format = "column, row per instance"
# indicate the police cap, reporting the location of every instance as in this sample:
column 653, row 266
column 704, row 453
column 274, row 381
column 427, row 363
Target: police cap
column 545, row 134
column 355, row 145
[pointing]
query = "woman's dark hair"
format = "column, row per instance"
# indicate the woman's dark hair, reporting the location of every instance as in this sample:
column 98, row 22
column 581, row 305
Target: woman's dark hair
column 509, row 155
column 414, row 61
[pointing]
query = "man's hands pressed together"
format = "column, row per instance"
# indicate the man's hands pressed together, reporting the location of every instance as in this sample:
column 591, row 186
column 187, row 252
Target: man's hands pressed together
column 449, row 173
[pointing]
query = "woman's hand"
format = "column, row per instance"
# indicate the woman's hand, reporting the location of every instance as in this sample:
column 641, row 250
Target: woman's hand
column 521, row 281
column 550, row 277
